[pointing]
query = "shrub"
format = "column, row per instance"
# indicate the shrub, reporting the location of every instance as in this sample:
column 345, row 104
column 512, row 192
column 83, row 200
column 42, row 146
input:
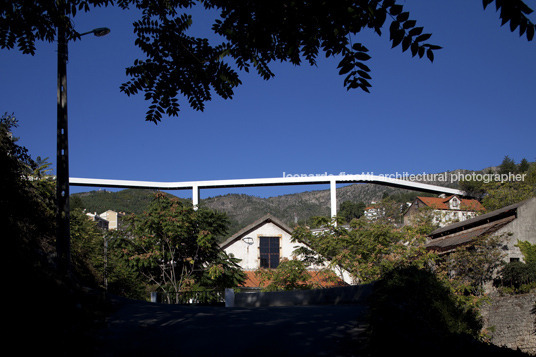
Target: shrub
column 517, row 278
column 412, row 310
column 289, row 275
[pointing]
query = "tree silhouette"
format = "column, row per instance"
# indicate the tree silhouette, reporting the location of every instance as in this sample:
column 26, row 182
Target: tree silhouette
column 254, row 33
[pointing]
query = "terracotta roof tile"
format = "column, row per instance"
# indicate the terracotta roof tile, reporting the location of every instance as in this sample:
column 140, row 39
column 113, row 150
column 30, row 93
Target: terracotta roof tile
column 442, row 203
column 252, row 281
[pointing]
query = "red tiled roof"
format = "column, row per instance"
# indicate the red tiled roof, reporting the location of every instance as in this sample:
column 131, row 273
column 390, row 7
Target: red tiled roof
column 442, row 203
column 317, row 276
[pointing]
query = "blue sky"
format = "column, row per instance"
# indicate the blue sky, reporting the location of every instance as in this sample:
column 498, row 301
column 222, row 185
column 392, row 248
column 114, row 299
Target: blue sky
column 471, row 107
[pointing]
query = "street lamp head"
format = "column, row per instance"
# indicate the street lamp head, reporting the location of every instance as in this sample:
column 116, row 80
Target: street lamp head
column 101, row 31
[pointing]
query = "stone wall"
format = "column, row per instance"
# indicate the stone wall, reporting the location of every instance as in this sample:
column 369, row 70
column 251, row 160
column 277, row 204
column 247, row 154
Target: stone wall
column 510, row 322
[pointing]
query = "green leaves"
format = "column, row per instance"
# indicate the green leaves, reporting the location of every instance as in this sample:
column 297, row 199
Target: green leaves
column 174, row 246
column 366, row 250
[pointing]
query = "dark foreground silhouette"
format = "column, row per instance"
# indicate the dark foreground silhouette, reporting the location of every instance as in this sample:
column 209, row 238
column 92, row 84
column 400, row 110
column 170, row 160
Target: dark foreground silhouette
column 145, row 329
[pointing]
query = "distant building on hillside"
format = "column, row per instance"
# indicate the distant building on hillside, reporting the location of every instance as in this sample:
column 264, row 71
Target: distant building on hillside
column 114, row 218
column 445, row 210
column 101, row 222
column 512, row 223
column 108, row 220
column 372, row 212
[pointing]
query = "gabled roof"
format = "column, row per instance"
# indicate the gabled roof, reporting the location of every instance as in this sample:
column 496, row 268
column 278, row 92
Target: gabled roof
column 496, row 215
column 253, row 226
column 449, row 237
column 442, row 203
column 452, row 241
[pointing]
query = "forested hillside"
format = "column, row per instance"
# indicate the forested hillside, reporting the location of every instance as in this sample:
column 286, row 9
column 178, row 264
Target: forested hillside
column 128, row 200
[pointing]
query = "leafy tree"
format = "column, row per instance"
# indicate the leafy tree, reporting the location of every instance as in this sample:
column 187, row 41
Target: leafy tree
column 175, row 248
column 528, row 250
column 251, row 35
column 56, row 304
column 87, row 247
column 350, row 210
column 120, row 276
column 517, row 278
column 470, row 268
column 27, row 204
column 473, row 188
column 523, row 166
column 507, row 166
column 501, row 194
column 496, row 194
column 98, row 260
column 366, row 250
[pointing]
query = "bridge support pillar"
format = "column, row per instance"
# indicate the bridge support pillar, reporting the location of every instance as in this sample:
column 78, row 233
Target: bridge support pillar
column 333, row 195
column 195, row 197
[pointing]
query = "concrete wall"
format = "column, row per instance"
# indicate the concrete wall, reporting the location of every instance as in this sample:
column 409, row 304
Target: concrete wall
column 522, row 228
column 510, row 322
column 333, row 296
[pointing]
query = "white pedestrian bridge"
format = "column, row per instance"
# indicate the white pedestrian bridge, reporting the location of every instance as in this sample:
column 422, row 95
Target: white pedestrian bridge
column 332, row 180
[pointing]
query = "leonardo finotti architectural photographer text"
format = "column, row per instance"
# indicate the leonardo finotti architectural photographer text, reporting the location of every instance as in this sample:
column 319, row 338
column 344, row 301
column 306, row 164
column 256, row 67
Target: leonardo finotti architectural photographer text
column 423, row 177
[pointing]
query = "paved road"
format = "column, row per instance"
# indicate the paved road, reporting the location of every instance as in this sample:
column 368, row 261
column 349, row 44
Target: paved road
column 145, row 329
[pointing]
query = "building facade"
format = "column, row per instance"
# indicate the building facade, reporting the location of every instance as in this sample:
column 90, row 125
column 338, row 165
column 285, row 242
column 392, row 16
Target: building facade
column 445, row 210
column 512, row 223
column 263, row 244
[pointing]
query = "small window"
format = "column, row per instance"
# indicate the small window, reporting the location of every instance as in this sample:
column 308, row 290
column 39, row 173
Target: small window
column 454, row 203
column 269, row 252
column 514, row 260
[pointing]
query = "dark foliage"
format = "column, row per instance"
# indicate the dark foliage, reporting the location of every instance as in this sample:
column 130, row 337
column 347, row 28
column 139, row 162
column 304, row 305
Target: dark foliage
column 413, row 312
column 252, row 34
column 48, row 312
column 255, row 34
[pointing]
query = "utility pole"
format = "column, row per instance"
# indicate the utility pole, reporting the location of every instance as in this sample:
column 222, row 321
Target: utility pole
column 63, row 232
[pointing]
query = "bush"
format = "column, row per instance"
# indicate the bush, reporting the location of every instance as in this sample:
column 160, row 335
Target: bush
column 413, row 312
column 517, row 278
column 411, row 308
column 289, row 275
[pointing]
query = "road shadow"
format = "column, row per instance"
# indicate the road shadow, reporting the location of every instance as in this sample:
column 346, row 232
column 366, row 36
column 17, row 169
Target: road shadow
column 145, row 329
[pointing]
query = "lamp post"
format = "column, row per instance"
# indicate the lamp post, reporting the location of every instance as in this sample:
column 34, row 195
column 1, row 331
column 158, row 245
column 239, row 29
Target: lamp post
column 63, row 249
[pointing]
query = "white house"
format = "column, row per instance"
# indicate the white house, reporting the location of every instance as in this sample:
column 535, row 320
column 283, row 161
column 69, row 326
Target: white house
column 445, row 210
column 113, row 218
column 107, row 220
column 101, row 222
column 263, row 244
